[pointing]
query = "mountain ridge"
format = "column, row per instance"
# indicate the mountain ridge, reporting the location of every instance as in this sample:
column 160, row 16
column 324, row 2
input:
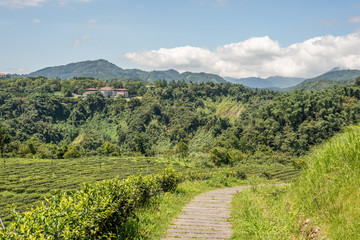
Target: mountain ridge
column 270, row 82
column 327, row 80
column 104, row 69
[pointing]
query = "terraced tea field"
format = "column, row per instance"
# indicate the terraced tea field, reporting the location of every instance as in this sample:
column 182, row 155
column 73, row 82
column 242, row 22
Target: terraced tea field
column 26, row 181
column 23, row 182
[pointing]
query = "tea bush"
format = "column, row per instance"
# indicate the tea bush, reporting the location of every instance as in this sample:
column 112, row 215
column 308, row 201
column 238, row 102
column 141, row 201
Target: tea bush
column 96, row 211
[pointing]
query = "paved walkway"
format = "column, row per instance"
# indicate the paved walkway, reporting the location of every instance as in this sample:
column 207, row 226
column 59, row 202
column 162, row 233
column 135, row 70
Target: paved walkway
column 205, row 217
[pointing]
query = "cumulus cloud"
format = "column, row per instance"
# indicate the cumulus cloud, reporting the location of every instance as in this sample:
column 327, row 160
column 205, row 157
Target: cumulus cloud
column 21, row 3
column 78, row 41
column 258, row 56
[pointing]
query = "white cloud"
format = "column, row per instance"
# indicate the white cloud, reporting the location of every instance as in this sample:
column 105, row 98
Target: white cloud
column 36, row 21
column 260, row 56
column 21, row 3
column 355, row 19
column 78, row 41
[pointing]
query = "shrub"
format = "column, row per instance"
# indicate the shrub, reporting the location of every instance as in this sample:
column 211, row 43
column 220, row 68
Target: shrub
column 73, row 152
column 219, row 156
column 236, row 156
column 96, row 211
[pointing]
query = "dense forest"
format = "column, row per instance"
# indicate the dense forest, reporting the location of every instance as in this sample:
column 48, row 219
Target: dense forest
column 215, row 123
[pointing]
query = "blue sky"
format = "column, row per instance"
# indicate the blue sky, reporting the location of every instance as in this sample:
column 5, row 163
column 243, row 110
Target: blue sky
column 236, row 38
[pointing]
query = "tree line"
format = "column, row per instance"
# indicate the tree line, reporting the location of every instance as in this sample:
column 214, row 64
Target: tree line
column 221, row 123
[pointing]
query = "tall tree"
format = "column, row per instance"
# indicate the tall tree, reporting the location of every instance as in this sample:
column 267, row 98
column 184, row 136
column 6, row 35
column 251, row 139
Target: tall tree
column 4, row 140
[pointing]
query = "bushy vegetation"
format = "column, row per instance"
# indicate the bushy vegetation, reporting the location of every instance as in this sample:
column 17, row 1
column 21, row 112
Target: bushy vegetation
column 208, row 118
column 323, row 203
column 116, row 208
column 97, row 211
column 202, row 125
column 25, row 182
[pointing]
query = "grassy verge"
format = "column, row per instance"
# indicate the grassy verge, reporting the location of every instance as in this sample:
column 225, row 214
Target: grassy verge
column 257, row 214
column 323, row 203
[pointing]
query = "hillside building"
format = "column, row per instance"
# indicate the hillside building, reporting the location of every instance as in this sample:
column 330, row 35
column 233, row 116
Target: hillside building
column 108, row 92
column 123, row 92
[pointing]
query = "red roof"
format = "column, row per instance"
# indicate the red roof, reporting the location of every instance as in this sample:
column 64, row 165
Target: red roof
column 106, row 88
column 88, row 92
column 121, row 89
column 91, row 89
column 2, row 74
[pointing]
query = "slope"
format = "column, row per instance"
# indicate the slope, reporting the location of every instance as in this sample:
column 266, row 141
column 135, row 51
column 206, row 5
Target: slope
column 323, row 204
column 328, row 80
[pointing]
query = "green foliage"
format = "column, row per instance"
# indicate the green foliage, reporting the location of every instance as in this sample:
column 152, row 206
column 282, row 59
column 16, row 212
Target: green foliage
column 36, row 177
column 97, row 211
column 219, row 156
column 4, row 139
column 255, row 217
column 73, row 152
column 182, row 149
column 204, row 115
column 328, row 80
column 107, row 148
column 236, row 156
column 322, row 203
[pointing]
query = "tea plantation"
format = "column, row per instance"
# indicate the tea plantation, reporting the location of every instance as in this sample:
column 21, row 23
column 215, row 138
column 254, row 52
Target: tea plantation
column 25, row 181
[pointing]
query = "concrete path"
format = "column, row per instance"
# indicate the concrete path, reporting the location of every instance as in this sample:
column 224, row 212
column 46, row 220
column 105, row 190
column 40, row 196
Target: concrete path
column 205, row 217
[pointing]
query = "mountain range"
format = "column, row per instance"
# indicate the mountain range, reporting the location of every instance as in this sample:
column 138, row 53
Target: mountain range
column 105, row 70
column 270, row 82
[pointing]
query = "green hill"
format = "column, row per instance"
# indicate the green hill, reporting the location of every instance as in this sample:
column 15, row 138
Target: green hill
column 327, row 80
column 103, row 69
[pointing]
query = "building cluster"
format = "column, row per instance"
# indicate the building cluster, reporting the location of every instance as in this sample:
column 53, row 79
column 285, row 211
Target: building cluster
column 108, row 92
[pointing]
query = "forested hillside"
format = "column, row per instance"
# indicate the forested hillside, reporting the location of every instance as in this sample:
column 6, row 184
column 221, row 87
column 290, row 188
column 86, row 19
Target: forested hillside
column 224, row 123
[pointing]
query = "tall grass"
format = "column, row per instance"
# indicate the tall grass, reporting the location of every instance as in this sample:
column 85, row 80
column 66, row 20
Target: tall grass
column 323, row 203
column 329, row 189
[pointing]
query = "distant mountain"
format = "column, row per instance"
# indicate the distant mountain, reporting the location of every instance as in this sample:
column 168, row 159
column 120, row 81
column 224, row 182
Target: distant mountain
column 103, row 69
column 201, row 77
column 335, row 69
column 96, row 69
column 328, row 80
column 270, row 82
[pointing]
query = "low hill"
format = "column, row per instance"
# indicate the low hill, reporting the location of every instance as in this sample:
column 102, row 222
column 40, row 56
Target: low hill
column 270, row 82
column 103, row 69
column 328, row 80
